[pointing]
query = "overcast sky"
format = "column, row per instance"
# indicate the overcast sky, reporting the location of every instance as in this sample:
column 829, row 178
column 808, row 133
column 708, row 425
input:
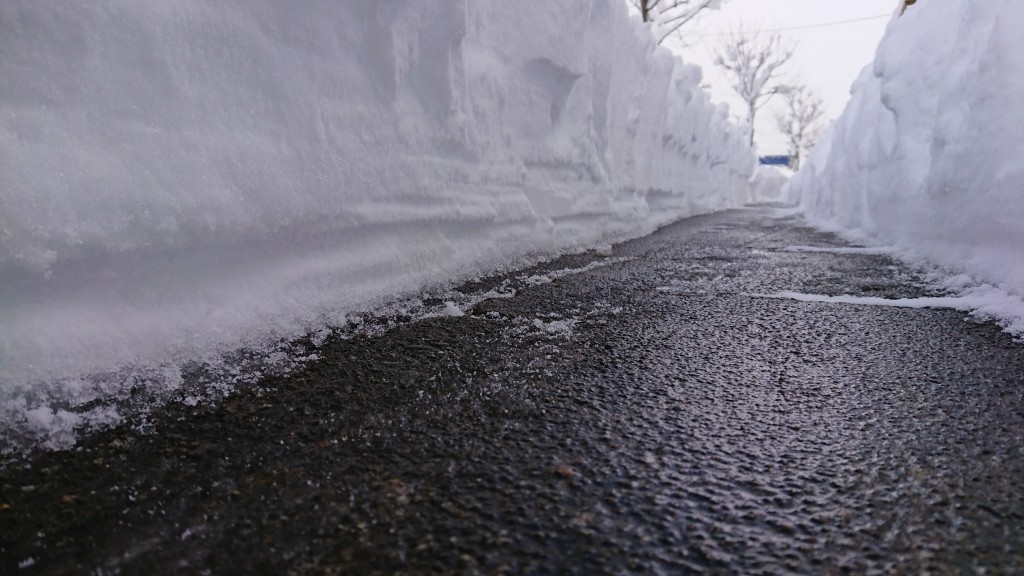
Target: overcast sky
column 828, row 58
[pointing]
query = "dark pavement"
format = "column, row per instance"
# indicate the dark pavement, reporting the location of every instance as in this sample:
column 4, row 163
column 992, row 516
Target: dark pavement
column 647, row 415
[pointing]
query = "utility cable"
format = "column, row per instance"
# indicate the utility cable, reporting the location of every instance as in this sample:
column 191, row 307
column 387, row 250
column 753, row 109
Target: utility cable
column 809, row 26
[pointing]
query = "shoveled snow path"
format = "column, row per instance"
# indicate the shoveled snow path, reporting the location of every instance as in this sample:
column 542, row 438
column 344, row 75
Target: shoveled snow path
column 644, row 416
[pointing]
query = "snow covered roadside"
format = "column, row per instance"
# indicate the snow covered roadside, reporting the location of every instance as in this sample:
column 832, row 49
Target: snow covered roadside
column 769, row 183
column 179, row 181
column 928, row 157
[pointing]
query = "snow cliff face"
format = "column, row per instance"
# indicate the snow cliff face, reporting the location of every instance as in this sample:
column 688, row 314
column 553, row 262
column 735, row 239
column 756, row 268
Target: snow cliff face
column 181, row 179
column 929, row 154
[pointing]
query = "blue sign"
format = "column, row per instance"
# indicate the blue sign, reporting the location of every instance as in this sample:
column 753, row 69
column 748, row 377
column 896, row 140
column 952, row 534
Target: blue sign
column 775, row 160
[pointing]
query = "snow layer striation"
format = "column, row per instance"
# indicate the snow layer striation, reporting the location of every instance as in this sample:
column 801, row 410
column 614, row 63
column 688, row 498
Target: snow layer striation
column 180, row 180
column 928, row 156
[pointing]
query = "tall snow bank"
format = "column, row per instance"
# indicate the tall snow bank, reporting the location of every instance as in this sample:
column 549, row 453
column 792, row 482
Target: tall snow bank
column 929, row 154
column 182, row 179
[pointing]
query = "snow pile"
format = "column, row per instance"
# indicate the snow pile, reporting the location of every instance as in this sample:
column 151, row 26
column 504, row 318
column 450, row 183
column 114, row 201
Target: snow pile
column 768, row 183
column 180, row 180
column 929, row 155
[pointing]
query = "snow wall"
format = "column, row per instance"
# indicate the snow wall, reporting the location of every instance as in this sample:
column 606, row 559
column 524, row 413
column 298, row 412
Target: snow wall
column 182, row 179
column 929, row 154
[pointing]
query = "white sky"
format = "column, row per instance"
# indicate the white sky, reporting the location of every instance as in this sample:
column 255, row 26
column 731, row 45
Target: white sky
column 828, row 58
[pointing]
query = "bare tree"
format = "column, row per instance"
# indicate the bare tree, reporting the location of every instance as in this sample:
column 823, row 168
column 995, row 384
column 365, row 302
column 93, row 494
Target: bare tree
column 755, row 65
column 669, row 16
column 800, row 121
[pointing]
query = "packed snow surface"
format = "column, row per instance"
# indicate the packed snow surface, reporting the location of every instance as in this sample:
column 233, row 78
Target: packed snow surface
column 928, row 157
column 183, row 180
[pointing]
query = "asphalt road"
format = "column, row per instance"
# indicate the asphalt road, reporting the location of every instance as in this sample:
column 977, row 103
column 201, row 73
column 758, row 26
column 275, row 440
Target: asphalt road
column 646, row 414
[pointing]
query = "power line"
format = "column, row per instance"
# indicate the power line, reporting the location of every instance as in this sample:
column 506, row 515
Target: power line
column 809, row 26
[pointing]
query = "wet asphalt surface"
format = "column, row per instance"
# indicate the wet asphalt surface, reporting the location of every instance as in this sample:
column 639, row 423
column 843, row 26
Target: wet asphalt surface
column 645, row 416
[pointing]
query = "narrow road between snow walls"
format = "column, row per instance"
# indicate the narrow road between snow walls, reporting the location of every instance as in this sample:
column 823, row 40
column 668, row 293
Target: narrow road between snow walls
column 723, row 396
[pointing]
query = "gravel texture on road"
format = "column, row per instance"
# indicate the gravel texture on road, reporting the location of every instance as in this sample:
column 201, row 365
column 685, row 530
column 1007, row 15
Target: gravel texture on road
column 649, row 415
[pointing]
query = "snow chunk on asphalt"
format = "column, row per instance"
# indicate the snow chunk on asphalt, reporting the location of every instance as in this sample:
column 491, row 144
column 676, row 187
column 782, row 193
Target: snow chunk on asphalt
column 562, row 328
column 56, row 428
column 451, row 309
